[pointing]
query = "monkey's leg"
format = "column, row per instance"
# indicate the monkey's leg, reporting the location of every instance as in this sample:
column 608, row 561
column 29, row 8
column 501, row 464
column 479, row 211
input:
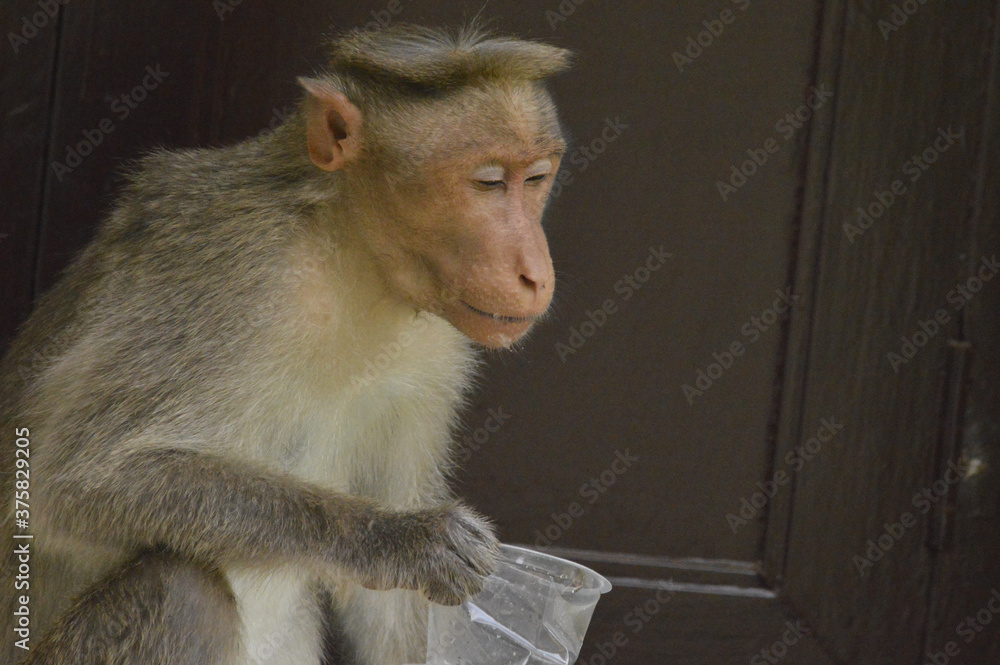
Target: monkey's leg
column 156, row 610
column 376, row 627
column 280, row 615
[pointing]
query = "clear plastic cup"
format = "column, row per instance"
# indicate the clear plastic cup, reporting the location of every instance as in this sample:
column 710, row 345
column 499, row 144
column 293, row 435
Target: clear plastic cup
column 533, row 610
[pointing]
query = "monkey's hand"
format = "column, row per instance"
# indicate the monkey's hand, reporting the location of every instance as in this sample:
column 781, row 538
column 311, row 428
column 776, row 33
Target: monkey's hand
column 446, row 552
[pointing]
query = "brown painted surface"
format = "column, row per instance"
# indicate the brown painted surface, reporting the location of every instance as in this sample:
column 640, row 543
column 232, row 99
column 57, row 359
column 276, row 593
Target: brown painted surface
column 27, row 62
column 965, row 606
column 668, row 471
column 898, row 94
column 650, row 626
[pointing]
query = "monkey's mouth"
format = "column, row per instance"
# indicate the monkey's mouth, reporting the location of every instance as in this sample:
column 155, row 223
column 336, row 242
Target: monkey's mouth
column 501, row 318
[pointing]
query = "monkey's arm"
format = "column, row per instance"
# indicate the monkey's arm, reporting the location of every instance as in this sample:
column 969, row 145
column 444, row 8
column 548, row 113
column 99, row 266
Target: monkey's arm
column 222, row 511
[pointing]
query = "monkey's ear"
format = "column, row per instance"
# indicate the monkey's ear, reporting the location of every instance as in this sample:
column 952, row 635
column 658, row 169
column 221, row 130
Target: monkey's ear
column 333, row 125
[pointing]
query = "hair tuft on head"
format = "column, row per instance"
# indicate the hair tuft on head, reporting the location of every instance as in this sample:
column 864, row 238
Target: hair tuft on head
column 438, row 58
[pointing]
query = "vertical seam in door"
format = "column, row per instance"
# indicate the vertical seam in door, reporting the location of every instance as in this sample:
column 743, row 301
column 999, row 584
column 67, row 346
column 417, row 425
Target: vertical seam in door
column 50, row 125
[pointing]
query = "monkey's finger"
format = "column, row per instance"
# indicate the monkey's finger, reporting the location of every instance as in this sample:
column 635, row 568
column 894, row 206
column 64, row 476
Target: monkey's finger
column 476, row 561
column 476, row 527
column 479, row 530
column 438, row 592
column 478, row 556
column 461, row 577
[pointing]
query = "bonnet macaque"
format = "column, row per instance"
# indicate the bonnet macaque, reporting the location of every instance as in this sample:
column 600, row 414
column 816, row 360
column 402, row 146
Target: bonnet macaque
column 217, row 473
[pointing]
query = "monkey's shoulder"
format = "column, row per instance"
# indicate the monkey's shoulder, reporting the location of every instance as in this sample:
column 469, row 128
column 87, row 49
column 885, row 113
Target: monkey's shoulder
column 206, row 196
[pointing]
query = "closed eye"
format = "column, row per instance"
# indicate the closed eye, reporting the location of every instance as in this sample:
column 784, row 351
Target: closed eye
column 491, row 184
column 537, row 178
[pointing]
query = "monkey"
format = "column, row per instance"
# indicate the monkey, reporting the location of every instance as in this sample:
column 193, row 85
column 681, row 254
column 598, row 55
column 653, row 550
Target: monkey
column 215, row 477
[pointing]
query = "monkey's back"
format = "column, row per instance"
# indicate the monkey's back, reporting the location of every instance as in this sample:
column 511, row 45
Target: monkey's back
column 175, row 321
column 143, row 319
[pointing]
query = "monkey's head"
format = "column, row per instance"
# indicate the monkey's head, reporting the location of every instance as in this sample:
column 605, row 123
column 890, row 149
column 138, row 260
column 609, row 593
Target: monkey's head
column 445, row 149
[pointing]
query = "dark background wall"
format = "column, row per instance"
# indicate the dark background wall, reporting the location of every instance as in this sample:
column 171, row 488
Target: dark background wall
column 658, row 121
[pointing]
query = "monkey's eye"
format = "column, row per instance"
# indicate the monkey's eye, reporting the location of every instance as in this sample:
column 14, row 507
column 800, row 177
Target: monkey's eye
column 490, row 176
column 539, row 171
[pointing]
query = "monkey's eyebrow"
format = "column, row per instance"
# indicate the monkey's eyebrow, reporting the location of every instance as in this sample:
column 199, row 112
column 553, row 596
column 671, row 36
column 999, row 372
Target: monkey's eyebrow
column 539, row 167
column 489, row 172
column 543, row 146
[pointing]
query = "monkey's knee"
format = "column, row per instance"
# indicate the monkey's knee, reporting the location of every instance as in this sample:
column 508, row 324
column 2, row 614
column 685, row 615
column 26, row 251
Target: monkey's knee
column 156, row 610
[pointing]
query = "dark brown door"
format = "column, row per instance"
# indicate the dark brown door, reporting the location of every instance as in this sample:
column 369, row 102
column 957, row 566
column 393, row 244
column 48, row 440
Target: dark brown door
column 711, row 416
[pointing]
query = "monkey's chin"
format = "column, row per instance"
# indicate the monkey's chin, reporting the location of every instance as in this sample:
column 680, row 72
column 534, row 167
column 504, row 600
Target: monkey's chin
column 504, row 337
column 494, row 332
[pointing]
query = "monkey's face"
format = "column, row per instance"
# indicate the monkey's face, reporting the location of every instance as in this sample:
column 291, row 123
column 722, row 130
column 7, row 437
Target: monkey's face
column 495, row 277
column 462, row 229
column 466, row 242
column 449, row 197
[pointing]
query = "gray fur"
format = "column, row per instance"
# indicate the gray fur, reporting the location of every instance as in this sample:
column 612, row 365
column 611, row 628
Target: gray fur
column 199, row 448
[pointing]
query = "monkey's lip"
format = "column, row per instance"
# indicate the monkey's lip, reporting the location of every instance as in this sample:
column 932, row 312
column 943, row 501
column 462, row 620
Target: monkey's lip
column 501, row 317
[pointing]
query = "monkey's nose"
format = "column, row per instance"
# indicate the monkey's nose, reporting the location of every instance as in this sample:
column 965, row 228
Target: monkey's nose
column 535, row 276
column 536, row 290
column 530, row 283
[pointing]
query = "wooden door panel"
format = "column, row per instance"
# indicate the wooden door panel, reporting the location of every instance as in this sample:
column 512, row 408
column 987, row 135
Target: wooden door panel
column 650, row 625
column 965, row 600
column 643, row 335
column 861, row 559
column 585, row 440
column 27, row 63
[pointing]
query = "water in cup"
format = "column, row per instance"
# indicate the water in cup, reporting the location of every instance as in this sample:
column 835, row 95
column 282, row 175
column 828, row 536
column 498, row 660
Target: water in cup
column 533, row 610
